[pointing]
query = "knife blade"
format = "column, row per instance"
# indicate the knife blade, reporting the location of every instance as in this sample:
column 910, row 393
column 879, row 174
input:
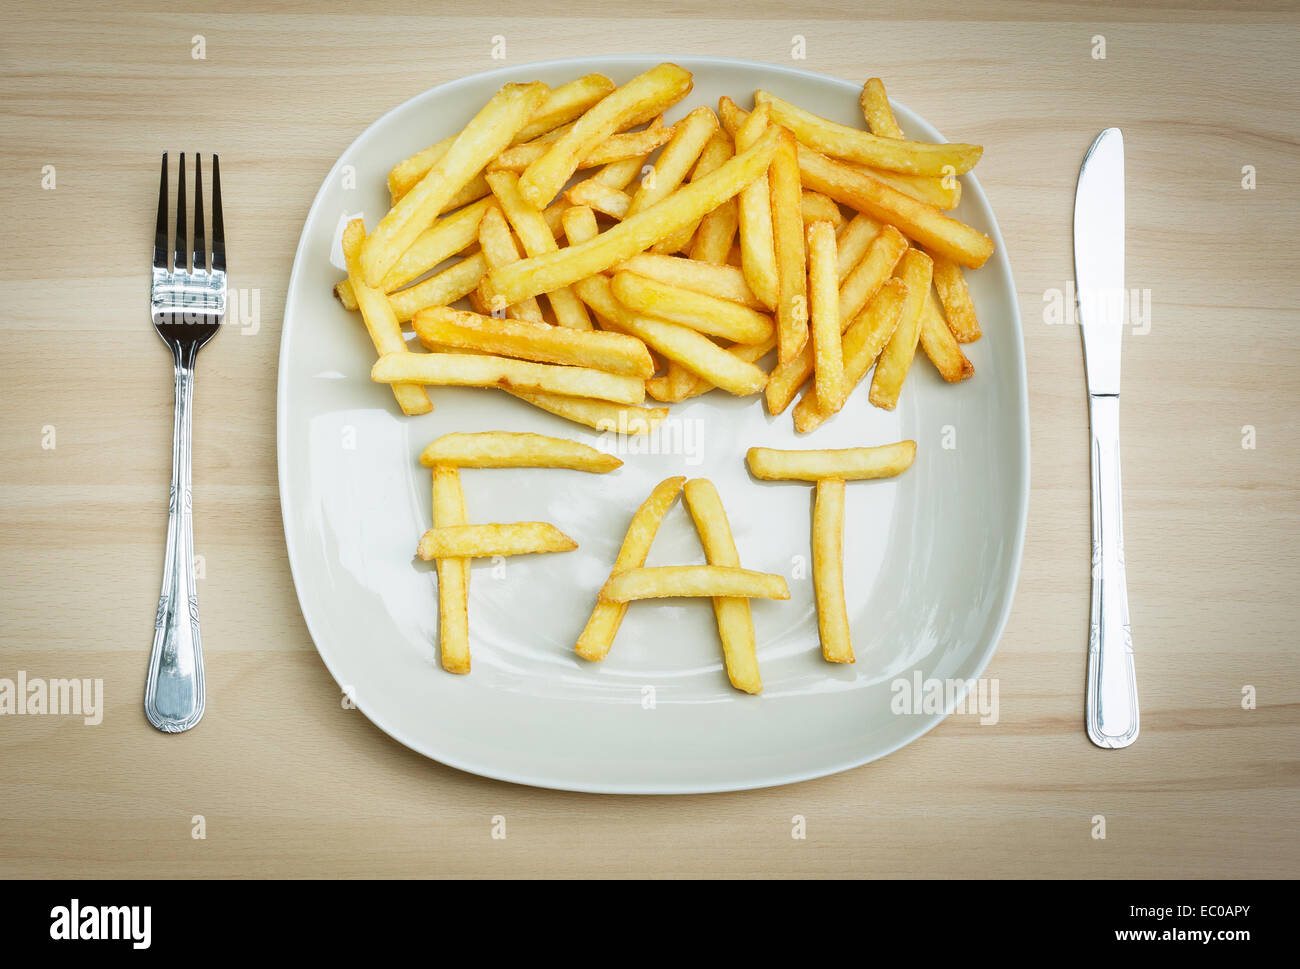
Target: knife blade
column 1111, row 714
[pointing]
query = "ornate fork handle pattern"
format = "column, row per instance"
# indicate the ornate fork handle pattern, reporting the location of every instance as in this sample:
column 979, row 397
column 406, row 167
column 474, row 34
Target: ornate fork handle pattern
column 1112, row 703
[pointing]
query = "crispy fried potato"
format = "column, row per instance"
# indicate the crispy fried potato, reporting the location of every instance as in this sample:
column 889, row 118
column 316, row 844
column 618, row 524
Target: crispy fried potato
column 635, row 234
column 940, row 345
column 824, row 311
column 384, row 329
column 690, row 135
column 629, row 144
column 942, row 193
column 490, row 130
column 828, row 571
column 692, row 580
column 754, row 207
column 853, row 239
column 595, row 194
column 449, row 234
column 453, row 574
column 791, row 262
column 642, row 97
column 816, row 207
column 476, row 541
column 735, row 622
column 717, row 229
column 851, row 464
column 499, row 249
column 715, row 153
column 676, row 386
column 598, row 636
column 505, row 449
column 850, row 144
column 600, row 415
column 475, row 370
column 440, row 326
column 955, row 297
column 707, row 314
column 875, row 108
column 916, row 269
column 712, row 279
column 917, row 220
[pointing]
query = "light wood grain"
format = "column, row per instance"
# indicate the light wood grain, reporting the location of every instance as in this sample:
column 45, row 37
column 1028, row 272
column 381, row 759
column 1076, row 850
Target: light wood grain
column 291, row 783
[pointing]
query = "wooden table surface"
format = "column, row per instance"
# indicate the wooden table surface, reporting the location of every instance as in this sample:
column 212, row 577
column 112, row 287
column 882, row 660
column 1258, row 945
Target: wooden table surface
column 288, row 782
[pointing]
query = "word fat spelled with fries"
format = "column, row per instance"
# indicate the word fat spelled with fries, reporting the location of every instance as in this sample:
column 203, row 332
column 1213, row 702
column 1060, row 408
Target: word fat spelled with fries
column 572, row 249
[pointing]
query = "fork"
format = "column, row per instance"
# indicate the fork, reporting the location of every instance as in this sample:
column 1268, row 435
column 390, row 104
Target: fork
column 188, row 305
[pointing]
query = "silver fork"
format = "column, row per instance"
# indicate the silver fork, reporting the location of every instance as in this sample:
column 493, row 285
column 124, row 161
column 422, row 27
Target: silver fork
column 188, row 304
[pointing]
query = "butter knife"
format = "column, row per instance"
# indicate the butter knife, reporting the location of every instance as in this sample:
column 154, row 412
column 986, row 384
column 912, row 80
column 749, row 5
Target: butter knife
column 1112, row 702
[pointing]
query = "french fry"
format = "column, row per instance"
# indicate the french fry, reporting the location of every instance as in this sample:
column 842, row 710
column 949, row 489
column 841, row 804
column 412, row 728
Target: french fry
column 940, row 345
column 441, row 326
column 690, row 135
column 600, row 415
column 605, row 199
column 863, row 341
column 916, row 270
column 490, row 130
column 892, row 154
column 942, row 193
column 875, row 108
column 559, row 107
column 828, row 571
column 615, row 148
column 448, row 235
column 499, row 249
column 917, row 220
column 735, row 622
column 696, row 352
column 652, row 92
column 824, row 312
column 851, row 464
column 856, row 291
column 711, row 279
column 541, row 274
column 453, row 575
column 673, row 388
column 446, row 287
column 715, row 153
column 788, row 236
column 537, row 239
column 477, row 541
column 955, row 297
column 853, row 239
column 503, row 449
column 693, row 580
column 474, row 370
column 580, row 224
column 754, row 208
column 816, row 207
column 707, row 314
column 598, row 636
column 717, row 229
column 382, row 325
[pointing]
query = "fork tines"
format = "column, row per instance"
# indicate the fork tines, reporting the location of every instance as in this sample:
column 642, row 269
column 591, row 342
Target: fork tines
column 183, row 259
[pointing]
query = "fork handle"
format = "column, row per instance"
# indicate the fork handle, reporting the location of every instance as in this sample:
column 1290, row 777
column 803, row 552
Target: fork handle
column 173, row 691
column 1112, row 701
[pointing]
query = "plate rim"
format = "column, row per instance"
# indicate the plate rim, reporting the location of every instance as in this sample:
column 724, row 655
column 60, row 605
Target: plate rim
column 925, row 724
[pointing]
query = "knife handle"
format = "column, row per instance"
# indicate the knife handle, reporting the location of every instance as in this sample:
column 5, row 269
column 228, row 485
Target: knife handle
column 1112, row 702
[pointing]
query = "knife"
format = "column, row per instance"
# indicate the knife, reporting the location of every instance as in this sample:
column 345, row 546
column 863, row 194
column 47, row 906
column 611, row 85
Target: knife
column 1112, row 703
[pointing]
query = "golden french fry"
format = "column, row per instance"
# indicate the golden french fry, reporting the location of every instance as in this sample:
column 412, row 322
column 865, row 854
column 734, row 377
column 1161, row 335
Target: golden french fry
column 382, row 325
column 711, row 279
column 850, row 144
column 643, row 96
column 615, row 148
column 942, row 193
column 690, row 135
column 863, row 341
column 675, row 387
column 788, row 235
column 612, row 352
column 735, row 622
column 580, row 224
column 451, row 284
column 717, row 150
column 828, row 571
column 595, row 194
column 915, row 269
column 476, row 541
column 475, row 370
column 693, row 350
column 816, row 207
column 693, row 580
column 824, row 311
column 598, row 636
column 453, row 574
column 559, row 107
column 853, row 239
column 499, row 249
column 490, row 130
column 875, row 108
column 506, row 449
column 717, row 229
column 955, row 297
column 538, row 239
column 851, row 464
column 707, row 314
column 598, row 414
column 754, row 207
column 448, row 235
column 541, row 274
column 917, row 220
column 940, row 345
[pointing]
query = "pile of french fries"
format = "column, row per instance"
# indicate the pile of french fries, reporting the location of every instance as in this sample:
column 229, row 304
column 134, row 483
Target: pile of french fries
column 606, row 256
column 675, row 262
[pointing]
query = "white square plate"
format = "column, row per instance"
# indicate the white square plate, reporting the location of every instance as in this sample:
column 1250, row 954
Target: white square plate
column 931, row 557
